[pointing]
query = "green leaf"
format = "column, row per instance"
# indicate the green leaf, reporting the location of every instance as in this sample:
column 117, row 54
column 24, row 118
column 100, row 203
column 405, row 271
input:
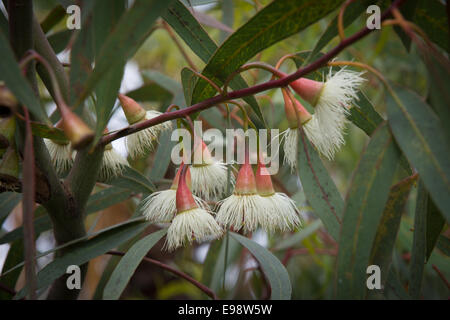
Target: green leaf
column 277, row 21
column 435, row 223
column 364, row 115
column 419, row 134
column 364, row 206
column 431, row 16
column 299, row 236
column 274, row 271
column 443, row 244
column 418, row 251
column 11, row 74
column 44, row 131
column 133, row 180
column 162, row 160
column 81, row 252
column 106, row 198
column 151, row 92
column 188, row 79
column 353, row 11
column 8, row 201
column 128, row 35
column 387, row 231
column 59, row 40
column 188, row 28
column 128, row 264
column 320, row 190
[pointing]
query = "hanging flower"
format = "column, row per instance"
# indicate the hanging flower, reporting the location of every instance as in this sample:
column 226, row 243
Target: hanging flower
column 244, row 208
column 191, row 222
column 210, row 178
column 112, row 163
column 161, row 206
column 281, row 211
column 61, row 153
column 142, row 141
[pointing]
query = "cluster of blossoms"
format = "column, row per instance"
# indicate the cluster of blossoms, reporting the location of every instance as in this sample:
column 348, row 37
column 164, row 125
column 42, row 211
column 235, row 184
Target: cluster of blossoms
column 253, row 203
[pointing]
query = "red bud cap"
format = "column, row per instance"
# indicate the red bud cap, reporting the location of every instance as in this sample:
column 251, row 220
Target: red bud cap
column 292, row 105
column 133, row 110
column 245, row 182
column 307, row 89
column 177, row 178
column 206, row 154
column 76, row 130
column 263, row 180
column 185, row 201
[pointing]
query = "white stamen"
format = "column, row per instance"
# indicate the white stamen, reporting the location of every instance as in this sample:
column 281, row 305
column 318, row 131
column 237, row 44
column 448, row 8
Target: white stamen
column 194, row 224
column 112, row 164
column 290, row 148
column 209, row 181
column 142, row 141
column 60, row 155
column 242, row 211
column 282, row 213
column 161, row 206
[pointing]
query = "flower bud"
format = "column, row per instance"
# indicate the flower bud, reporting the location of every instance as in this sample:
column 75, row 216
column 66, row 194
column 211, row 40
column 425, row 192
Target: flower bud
column 290, row 110
column 245, row 182
column 76, row 130
column 133, row 111
column 185, row 201
column 263, row 181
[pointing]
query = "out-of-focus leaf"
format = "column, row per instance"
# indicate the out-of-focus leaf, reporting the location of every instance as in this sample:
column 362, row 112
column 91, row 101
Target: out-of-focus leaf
column 162, row 160
column 182, row 21
column 384, row 242
column 298, row 237
column 408, row 10
column 129, row 33
column 128, row 264
column 419, row 134
column 353, row 11
column 81, row 252
column 106, row 198
column 443, row 244
column 44, row 131
column 431, row 16
column 8, row 201
column 435, row 223
column 274, row 271
column 11, row 74
column 320, row 190
column 59, row 40
column 277, row 21
column 151, row 92
column 133, row 180
column 42, row 222
column 15, row 256
column 364, row 206
column 106, row 14
column 188, row 79
column 52, row 19
column 418, row 251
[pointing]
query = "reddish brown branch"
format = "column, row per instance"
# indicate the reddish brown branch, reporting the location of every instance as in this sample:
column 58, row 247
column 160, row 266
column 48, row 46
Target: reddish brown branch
column 282, row 82
column 183, row 275
column 441, row 275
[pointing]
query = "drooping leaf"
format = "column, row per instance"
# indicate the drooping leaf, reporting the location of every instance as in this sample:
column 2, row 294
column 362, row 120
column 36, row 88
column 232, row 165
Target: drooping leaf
column 386, row 235
column 44, row 131
column 162, row 160
column 418, row 251
column 15, row 256
column 129, row 33
column 59, row 40
column 106, row 198
column 364, row 115
column 151, row 92
column 8, row 201
column 11, row 74
column 128, row 264
column 298, row 237
column 434, row 224
column 81, row 252
column 364, row 206
column 431, row 16
column 274, row 271
column 320, row 190
column 133, row 180
column 420, row 136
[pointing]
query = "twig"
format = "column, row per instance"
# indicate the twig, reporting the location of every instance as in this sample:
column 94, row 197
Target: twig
column 282, row 82
column 441, row 275
column 183, row 275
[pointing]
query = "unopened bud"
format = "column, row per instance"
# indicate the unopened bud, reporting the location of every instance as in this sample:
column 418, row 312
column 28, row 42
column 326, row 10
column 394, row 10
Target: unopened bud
column 76, row 130
column 133, row 111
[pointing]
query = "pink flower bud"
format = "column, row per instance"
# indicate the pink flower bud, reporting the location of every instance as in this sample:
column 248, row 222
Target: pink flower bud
column 76, row 130
column 133, row 111
column 185, row 201
column 263, row 180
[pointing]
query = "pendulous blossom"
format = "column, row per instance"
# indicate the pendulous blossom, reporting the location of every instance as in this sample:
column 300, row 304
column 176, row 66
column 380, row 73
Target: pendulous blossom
column 209, row 179
column 244, row 208
column 281, row 211
column 142, row 141
column 61, row 153
column 161, row 206
column 191, row 222
column 112, row 163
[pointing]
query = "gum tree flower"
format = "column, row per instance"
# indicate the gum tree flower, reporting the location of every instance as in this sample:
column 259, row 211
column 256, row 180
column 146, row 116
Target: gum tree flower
column 142, row 141
column 161, row 206
column 112, row 163
column 191, row 222
column 61, row 153
column 209, row 179
column 244, row 208
column 281, row 211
